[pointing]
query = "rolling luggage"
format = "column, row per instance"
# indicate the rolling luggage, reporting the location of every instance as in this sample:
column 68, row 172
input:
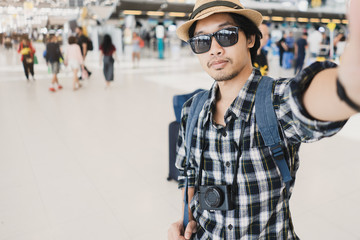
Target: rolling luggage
column 173, row 136
column 178, row 102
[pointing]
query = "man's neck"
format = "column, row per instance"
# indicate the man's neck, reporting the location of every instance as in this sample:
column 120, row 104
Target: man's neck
column 229, row 90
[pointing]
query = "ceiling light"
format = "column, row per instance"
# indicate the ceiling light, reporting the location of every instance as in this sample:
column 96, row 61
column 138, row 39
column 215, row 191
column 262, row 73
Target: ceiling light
column 278, row 19
column 155, row 13
column 177, row 14
column 303, row 20
column 290, row 19
column 132, row 12
column 314, row 20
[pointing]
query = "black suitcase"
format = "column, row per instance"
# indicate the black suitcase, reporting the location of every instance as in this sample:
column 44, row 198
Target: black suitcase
column 173, row 136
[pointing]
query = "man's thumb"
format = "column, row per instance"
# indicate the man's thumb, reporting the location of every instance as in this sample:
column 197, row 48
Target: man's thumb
column 190, row 229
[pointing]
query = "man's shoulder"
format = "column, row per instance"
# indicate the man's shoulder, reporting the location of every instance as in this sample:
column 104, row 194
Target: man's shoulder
column 189, row 103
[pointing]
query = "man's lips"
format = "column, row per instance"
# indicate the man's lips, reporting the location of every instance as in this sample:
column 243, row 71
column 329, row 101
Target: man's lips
column 217, row 64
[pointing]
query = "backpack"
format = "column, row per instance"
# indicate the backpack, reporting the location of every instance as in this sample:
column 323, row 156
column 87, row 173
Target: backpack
column 141, row 43
column 268, row 126
column 89, row 43
column 179, row 100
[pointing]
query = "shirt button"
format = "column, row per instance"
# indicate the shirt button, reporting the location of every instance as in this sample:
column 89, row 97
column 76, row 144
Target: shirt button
column 230, row 227
column 228, row 164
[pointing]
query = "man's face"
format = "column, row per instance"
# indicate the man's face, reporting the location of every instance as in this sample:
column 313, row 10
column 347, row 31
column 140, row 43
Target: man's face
column 223, row 63
column 77, row 30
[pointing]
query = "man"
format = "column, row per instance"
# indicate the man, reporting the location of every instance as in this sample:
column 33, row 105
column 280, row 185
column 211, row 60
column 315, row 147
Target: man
column 53, row 56
column 261, row 61
column 83, row 43
column 315, row 39
column 300, row 47
column 288, row 55
column 308, row 107
column 282, row 48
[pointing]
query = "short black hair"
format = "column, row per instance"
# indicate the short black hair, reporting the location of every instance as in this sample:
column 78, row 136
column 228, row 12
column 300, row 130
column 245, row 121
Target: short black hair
column 246, row 26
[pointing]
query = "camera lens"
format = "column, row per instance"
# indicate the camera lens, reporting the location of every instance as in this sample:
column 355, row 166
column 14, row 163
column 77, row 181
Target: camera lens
column 213, row 197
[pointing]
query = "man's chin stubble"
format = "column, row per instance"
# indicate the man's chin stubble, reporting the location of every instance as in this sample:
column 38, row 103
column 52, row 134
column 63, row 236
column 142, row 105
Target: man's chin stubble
column 225, row 77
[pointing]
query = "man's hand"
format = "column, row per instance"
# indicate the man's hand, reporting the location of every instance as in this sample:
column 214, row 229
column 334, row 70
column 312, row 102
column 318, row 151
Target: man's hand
column 176, row 230
column 350, row 59
column 321, row 100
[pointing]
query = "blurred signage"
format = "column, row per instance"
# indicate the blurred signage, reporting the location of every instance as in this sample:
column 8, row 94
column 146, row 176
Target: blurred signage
column 76, row 3
column 28, row 5
column 316, row 3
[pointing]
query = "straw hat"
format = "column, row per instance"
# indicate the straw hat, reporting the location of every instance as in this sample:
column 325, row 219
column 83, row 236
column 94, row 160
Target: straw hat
column 205, row 8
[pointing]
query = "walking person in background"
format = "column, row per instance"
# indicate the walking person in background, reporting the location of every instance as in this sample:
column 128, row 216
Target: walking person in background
column 261, row 61
column 300, row 47
column 289, row 52
column 315, row 39
column 53, row 56
column 27, row 52
column 107, row 55
column 282, row 48
column 137, row 43
column 83, row 40
column 74, row 59
column 340, row 43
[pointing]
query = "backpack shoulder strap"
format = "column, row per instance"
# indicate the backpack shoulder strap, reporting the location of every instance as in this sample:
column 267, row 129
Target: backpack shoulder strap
column 268, row 126
column 195, row 109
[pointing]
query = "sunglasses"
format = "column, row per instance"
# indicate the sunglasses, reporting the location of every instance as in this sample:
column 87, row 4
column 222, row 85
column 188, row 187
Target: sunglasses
column 225, row 37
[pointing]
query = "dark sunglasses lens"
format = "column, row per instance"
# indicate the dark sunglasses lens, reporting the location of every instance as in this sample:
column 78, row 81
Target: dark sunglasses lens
column 227, row 37
column 200, row 44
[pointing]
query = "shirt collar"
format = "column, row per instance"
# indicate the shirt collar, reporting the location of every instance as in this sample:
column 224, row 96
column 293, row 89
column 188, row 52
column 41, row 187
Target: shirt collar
column 241, row 106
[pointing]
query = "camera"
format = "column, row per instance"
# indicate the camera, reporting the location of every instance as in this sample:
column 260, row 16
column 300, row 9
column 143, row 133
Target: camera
column 216, row 197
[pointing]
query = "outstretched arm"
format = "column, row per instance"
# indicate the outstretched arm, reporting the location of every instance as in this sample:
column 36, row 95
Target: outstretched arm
column 321, row 99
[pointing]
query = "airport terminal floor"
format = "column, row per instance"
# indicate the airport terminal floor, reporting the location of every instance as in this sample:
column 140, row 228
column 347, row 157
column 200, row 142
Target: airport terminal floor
column 92, row 164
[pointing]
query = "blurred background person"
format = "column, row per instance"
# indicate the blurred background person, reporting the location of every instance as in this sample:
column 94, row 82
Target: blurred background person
column 137, row 43
column 282, row 48
column 315, row 39
column 289, row 52
column 53, row 56
column 339, row 44
column 300, row 51
column 82, row 41
column 261, row 61
column 75, row 60
column 27, row 52
column 107, row 55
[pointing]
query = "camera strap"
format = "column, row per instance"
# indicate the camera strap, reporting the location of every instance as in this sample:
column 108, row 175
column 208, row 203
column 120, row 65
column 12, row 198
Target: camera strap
column 238, row 148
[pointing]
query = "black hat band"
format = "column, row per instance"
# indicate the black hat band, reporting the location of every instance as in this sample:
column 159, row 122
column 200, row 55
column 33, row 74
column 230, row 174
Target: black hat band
column 214, row 4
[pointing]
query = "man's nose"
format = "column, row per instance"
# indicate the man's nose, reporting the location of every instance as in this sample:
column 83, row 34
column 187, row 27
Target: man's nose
column 215, row 48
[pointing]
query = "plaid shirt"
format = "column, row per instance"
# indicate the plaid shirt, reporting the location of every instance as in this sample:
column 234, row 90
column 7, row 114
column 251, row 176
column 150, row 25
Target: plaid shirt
column 262, row 208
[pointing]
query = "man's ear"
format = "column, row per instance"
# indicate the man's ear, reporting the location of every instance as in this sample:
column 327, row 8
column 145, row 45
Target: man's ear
column 251, row 41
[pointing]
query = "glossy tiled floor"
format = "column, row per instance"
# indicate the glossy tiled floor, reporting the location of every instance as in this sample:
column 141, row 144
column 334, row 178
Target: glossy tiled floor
column 92, row 164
